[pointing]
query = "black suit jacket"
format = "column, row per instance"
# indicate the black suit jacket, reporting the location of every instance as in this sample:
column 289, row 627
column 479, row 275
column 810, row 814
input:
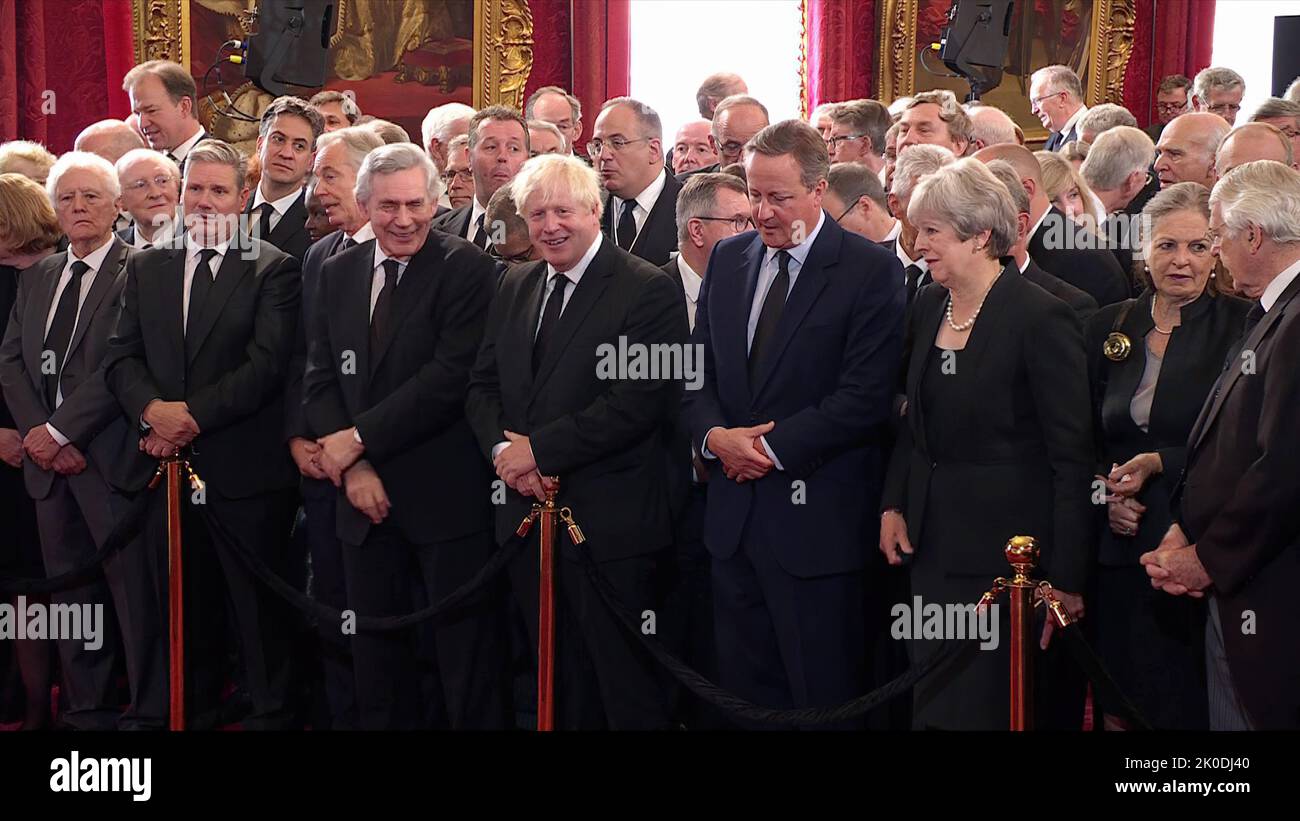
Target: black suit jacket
column 454, row 222
column 407, row 398
column 657, row 239
column 686, row 175
column 233, row 378
column 1083, row 305
column 828, row 384
column 605, row 437
column 1120, row 228
column 1057, row 140
column 1239, row 504
column 295, row 419
column 1024, row 467
column 1070, row 251
column 89, row 415
column 1192, row 362
column 290, row 233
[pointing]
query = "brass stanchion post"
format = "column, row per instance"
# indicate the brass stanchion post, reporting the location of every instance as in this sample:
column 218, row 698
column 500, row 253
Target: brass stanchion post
column 546, row 615
column 1022, row 553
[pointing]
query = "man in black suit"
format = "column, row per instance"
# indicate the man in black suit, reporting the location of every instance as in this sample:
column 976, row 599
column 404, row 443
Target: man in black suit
column 394, row 333
column 802, row 328
column 1083, row 305
column 1118, row 169
column 498, row 146
column 1236, row 536
column 151, row 191
column 540, row 409
column 913, row 164
column 1058, row 244
column 286, row 148
column 857, row 201
column 51, row 369
column 200, row 359
column 627, row 150
column 1056, row 98
column 164, row 97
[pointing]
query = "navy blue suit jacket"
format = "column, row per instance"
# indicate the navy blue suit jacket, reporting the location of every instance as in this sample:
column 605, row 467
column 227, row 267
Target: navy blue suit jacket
column 828, row 385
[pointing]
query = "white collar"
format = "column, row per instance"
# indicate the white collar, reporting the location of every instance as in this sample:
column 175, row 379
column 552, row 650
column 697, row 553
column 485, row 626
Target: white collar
column 650, row 194
column 475, row 211
column 1074, row 118
column 364, row 234
column 94, row 259
column 575, row 273
column 181, row 151
column 281, row 205
column 1278, row 285
column 906, row 260
column 691, row 281
column 192, row 248
column 1026, row 263
column 894, row 232
column 1040, row 222
column 381, row 257
column 799, row 253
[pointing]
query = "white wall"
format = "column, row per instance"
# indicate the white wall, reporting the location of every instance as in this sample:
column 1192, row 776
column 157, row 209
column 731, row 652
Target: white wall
column 1243, row 42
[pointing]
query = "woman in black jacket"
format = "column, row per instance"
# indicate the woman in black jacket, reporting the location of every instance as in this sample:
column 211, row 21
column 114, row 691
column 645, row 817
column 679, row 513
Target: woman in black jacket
column 997, row 440
column 1152, row 361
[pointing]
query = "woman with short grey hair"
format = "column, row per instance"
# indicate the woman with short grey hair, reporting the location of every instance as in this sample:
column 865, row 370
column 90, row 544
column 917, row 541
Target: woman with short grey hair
column 1152, row 360
column 996, row 443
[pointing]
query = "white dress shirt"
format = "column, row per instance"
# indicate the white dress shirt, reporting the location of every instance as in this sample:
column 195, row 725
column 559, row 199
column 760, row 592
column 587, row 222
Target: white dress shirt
column 644, row 202
column 94, row 260
column 1279, row 284
column 278, row 207
column 379, row 276
column 691, row 283
column 364, row 234
column 893, row 232
column 192, row 250
column 906, row 260
column 182, row 151
column 1074, row 118
column 476, row 210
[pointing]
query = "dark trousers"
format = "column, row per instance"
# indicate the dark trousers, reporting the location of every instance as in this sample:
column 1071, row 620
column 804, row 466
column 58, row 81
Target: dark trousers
column 329, row 587
column 604, row 679
column 468, row 685
column 785, row 642
column 215, row 579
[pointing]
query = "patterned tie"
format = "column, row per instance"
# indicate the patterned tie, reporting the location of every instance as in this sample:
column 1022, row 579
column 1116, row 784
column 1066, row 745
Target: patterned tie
column 627, row 226
column 200, row 286
column 550, row 318
column 60, row 334
column 770, row 316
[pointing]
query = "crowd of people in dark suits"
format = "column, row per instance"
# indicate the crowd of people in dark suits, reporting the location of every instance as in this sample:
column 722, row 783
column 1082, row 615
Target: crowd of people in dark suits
column 903, row 337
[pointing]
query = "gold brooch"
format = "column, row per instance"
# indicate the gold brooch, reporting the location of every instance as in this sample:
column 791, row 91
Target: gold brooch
column 1117, row 347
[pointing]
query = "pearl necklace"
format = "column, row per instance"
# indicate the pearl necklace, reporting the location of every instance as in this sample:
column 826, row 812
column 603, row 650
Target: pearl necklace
column 1155, row 324
column 968, row 324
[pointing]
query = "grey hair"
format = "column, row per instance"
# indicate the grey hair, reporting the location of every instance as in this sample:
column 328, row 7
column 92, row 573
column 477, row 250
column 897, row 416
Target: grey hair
column 351, row 111
column 851, row 181
column 1075, row 150
column 1216, row 77
column 1058, row 78
column 735, row 101
column 915, row 163
column 358, row 141
column 459, row 141
column 135, row 155
column 550, row 128
column 715, row 89
column 1293, row 91
column 219, row 152
column 1104, row 117
column 575, row 105
column 292, row 107
column 392, row 158
column 1116, row 155
column 440, row 119
column 822, row 108
column 1184, row 196
column 122, row 137
column 1262, row 193
column 83, row 161
column 1276, row 107
column 1287, row 151
column 950, row 112
column 1008, row 176
column 990, row 125
column 967, row 196
column 646, row 117
column 866, row 117
column 699, row 196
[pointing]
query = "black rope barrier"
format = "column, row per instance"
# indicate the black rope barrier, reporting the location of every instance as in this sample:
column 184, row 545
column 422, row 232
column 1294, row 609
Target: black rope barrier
column 1102, row 683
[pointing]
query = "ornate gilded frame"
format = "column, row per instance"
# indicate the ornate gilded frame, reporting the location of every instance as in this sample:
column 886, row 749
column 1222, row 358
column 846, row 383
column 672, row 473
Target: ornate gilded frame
column 503, row 43
column 1112, row 45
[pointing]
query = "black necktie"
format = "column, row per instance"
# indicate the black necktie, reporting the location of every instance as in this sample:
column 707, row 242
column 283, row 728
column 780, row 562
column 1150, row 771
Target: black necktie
column 346, row 244
column 480, row 235
column 550, row 318
column 169, row 155
column 60, row 333
column 200, row 285
column 914, row 274
column 382, row 316
column 264, row 219
column 627, row 226
column 770, row 316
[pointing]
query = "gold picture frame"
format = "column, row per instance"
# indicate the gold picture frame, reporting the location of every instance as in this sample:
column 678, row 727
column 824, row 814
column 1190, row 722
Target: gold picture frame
column 1110, row 45
column 503, row 44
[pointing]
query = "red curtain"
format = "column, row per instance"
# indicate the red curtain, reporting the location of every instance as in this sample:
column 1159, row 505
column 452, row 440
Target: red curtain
column 839, row 50
column 602, row 54
column 1169, row 37
column 552, row 45
column 61, row 67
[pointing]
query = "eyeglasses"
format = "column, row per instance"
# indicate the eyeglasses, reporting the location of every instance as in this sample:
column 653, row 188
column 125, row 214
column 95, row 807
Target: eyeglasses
column 1170, row 108
column 737, row 223
column 463, row 176
column 616, row 144
column 833, row 142
column 1033, row 101
column 1224, row 108
column 513, row 259
column 847, row 210
column 162, row 181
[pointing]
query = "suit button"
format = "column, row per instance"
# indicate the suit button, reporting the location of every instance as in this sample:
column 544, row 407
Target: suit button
column 934, row 465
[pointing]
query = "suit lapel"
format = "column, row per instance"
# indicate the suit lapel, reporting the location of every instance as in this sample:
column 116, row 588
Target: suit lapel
column 530, row 293
column 415, row 280
column 291, row 222
column 350, row 325
column 108, row 272
column 38, row 312
column 665, row 208
column 230, row 273
column 585, row 296
column 922, row 346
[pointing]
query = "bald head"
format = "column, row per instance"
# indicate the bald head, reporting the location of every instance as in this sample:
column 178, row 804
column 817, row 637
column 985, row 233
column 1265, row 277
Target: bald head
column 1027, row 168
column 1186, row 149
column 109, row 139
column 991, row 126
column 1250, row 142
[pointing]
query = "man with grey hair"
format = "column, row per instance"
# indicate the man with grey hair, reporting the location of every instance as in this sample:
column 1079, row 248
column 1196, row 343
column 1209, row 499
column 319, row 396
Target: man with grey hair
column 1293, row 91
column 338, row 110
column 935, row 118
column 1219, row 91
column 715, row 89
column 990, row 125
column 1250, row 142
column 498, row 146
column 286, row 148
column 891, row 157
column 710, row 208
column 640, row 210
column 735, row 120
column 440, row 126
column 1235, row 537
column 857, row 201
column 410, row 308
column 109, row 139
column 1102, row 118
column 858, row 134
column 151, row 190
column 820, row 118
column 802, row 324
column 913, row 164
column 1056, row 98
column 544, row 138
column 457, row 179
column 199, row 359
column 1118, row 171
column 74, row 435
column 1283, row 115
column 1187, row 147
column 554, row 105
